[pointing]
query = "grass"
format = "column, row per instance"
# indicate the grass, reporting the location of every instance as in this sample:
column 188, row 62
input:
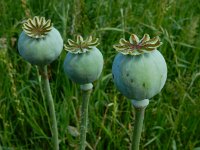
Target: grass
column 172, row 117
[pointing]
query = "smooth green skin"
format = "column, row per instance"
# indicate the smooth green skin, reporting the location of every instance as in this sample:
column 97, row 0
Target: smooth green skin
column 40, row 51
column 139, row 77
column 85, row 67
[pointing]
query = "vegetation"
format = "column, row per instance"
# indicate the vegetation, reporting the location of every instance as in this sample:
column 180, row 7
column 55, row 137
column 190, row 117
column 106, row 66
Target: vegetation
column 172, row 117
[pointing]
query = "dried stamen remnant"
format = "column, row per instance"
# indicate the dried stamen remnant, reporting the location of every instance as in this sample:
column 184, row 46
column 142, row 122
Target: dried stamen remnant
column 37, row 27
column 135, row 46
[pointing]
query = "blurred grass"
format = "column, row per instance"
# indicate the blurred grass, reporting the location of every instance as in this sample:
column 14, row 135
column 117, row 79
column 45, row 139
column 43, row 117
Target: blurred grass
column 172, row 118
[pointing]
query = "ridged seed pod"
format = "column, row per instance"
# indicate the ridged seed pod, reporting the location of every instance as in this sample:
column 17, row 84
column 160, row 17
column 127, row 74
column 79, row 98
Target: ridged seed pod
column 84, row 62
column 39, row 43
column 139, row 69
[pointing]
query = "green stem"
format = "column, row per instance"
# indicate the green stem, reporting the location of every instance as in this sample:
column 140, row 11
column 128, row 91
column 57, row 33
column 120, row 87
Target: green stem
column 52, row 110
column 87, row 89
column 139, row 117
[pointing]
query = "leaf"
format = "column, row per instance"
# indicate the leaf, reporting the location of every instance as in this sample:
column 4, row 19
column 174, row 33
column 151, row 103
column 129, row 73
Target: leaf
column 73, row 131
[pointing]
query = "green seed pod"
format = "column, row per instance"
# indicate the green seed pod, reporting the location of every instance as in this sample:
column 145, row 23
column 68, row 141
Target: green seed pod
column 139, row 70
column 84, row 62
column 39, row 43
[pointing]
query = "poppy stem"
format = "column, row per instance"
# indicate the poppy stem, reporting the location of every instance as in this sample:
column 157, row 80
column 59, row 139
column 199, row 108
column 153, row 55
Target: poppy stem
column 54, row 129
column 87, row 89
column 139, row 117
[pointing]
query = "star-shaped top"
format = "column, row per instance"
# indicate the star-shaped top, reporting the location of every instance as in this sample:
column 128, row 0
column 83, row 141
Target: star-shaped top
column 37, row 27
column 136, row 47
column 80, row 45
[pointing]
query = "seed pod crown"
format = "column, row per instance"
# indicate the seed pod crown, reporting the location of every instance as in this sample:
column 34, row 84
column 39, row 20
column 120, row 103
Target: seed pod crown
column 37, row 27
column 80, row 45
column 135, row 46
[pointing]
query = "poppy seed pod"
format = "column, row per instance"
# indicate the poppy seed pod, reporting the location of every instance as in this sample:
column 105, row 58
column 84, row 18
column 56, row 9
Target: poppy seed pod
column 139, row 70
column 84, row 62
column 39, row 43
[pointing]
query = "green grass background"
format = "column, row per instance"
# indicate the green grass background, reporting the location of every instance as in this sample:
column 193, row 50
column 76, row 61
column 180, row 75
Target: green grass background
column 172, row 120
